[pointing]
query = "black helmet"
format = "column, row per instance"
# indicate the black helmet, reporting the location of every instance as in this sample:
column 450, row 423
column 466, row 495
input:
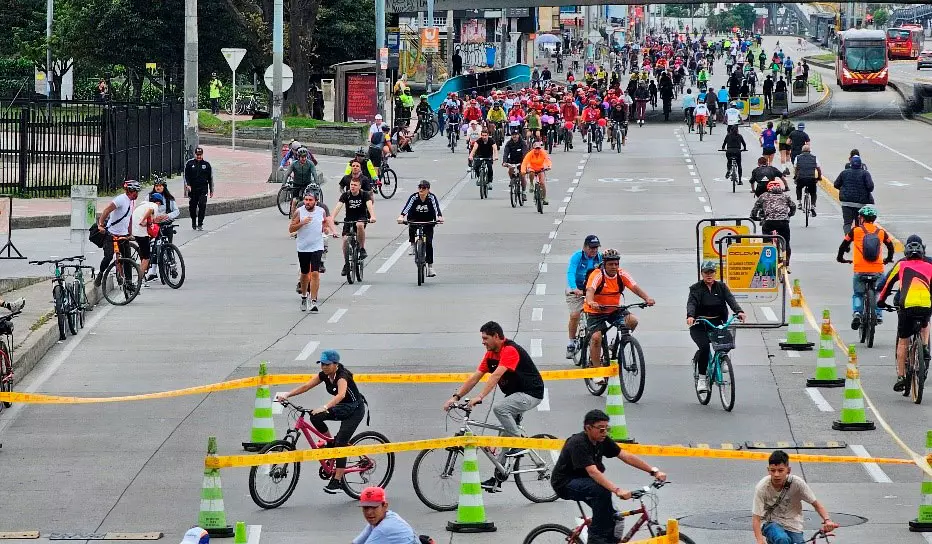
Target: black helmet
column 361, row 152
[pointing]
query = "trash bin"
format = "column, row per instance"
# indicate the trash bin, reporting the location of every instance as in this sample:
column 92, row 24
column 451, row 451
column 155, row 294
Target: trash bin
column 490, row 57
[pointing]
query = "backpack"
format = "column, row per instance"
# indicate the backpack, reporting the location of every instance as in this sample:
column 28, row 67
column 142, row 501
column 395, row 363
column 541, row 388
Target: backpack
column 870, row 245
column 598, row 289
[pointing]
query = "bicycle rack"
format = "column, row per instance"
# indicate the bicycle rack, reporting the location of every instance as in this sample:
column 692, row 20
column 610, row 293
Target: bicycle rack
column 780, row 244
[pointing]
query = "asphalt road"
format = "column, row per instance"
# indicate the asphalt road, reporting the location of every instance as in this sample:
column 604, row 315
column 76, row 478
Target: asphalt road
column 138, row 466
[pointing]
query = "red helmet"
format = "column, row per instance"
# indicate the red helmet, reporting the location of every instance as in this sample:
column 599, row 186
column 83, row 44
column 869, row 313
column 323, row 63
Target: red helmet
column 568, row 125
column 593, row 102
column 602, row 123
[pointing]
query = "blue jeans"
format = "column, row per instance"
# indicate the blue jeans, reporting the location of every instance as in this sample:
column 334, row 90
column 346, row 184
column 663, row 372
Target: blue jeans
column 600, row 500
column 776, row 534
column 856, row 297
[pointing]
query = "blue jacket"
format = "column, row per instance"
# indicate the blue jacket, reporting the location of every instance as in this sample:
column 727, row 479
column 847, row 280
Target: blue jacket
column 579, row 267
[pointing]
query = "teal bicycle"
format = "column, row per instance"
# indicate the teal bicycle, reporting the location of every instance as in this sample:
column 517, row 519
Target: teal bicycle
column 719, row 371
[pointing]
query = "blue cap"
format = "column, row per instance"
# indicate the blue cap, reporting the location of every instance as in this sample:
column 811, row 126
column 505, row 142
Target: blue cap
column 329, row 356
column 156, row 197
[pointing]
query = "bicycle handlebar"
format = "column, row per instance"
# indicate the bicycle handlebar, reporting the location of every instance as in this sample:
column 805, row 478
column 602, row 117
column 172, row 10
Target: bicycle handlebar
column 79, row 258
column 285, row 402
column 352, row 222
column 420, row 222
column 656, row 484
column 724, row 325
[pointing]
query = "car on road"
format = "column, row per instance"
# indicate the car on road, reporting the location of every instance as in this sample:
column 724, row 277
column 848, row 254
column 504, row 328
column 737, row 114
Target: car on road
column 924, row 60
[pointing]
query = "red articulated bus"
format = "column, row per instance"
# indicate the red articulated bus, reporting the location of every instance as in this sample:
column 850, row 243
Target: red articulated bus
column 862, row 60
column 905, row 41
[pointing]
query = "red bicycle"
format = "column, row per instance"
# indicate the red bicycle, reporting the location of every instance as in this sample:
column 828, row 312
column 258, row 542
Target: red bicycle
column 6, row 355
column 271, row 485
column 647, row 515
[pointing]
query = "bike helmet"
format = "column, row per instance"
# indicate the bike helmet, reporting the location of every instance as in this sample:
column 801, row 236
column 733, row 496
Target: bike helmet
column 360, row 152
column 423, row 97
column 611, row 255
column 302, row 152
column 156, row 197
column 868, row 212
column 774, row 185
column 801, row 125
column 132, row 185
column 312, row 189
column 914, row 250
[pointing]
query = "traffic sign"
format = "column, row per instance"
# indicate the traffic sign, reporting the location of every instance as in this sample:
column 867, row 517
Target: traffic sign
column 751, row 272
column 711, row 234
column 234, row 56
column 287, row 77
column 383, row 58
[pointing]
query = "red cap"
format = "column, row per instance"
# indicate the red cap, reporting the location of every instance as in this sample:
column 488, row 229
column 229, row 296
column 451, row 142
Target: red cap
column 372, row 496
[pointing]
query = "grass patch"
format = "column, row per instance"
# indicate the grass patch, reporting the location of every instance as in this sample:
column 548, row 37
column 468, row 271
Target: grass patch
column 42, row 321
column 824, row 57
column 927, row 115
column 207, row 120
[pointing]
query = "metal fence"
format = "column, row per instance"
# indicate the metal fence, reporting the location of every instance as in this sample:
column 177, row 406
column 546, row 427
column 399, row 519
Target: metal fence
column 47, row 146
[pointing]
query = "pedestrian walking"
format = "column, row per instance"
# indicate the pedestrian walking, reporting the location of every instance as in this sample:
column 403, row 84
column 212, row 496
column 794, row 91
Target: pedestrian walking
column 215, row 86
column 198, row 185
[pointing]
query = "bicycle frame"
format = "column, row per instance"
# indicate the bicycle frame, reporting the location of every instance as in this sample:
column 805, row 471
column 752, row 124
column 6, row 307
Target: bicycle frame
column 715, row 368
column 493, row 457
column 306, row 428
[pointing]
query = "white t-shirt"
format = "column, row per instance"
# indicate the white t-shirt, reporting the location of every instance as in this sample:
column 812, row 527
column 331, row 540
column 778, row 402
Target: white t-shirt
column 309, row 236
column 139, row 213
column 789, row 513
column 701, row 109
column 732, row 116
column 374, row 128
column 118, row 221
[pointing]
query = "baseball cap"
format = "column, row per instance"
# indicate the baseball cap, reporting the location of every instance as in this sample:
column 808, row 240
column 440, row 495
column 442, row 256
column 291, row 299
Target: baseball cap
column 378, row 117
column 156, row 197
column 538, row 145
column 198, row 150
column 329, row 356
column 592, row 241
column 372, row 496
column 196, row 535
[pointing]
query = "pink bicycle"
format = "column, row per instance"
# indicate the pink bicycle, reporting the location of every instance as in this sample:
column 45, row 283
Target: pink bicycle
column 271, row 485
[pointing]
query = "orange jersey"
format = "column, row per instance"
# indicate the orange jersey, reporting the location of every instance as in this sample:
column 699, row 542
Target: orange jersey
column 611, row 290
column 535, row 160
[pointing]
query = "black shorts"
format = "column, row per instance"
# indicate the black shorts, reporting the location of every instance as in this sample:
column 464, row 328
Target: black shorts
column 768, row 151
column 375, row 156
column 144, row 249
column 348, row 225
column 310, row 261
column 601, row 322
column 911, row 320
column 784, row 147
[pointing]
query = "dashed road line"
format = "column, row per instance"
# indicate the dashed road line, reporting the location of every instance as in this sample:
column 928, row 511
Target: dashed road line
column 540, row 289
column 254, row 533
column 309, row 348
column 557, row 221
column 537, row 314
column 361, row 291
column 873, row 469
column 561, row 209
column 571, row 189
column 537, row 347
column 792, row 354
column 701, row 199
column 566, row 199
column 553, row 234
column 545, row 249
column 698, row 189
column 819, row 400
column 544, row 405
column 337, row 315
column 542, row 268
column 708, row 209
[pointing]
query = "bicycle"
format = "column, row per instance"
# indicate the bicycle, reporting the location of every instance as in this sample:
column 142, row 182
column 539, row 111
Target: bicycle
column 499, row 134
column 594, row 132
column 387, row 182
column 733, row 172
column 538, row 191
column 567, row 139
column 167, row 257
column 6, row 355
column 452, row 133
column 427, row 126
column 617, row 138
column 68, row 294
column 807, row 206
column 514, row 186
column 689, row 119
column 646, row 516
column 550, row 137
column 719, row 371
column 815, row 537
column 118, row 284
column 420, row 248
column 700, row 125
column 533, row 482
column 354, row 265
column 868, row 308
column 624, row 348
column 360, row 469
column 484, row 178
column 917, row 369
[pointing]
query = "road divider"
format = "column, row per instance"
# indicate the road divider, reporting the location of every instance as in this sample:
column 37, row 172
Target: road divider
column 292, row 379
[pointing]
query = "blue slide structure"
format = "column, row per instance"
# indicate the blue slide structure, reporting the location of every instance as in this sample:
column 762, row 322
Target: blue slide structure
column 514, row 75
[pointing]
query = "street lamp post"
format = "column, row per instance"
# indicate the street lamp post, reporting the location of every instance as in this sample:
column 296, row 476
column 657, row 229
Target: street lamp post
column 379, row 44
column 190, row 77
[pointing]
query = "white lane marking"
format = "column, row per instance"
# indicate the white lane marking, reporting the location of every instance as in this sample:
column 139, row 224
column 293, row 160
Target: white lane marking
column 695, row 180
column 701, row 199
column 254, row 532
column 571, row 189
column 708, row 209
column 542, row 267
column 309, row 348
column 540, row 289
column 566, row 199
column 277, row 407
column 819, row 400
column 553, row 234
column 927, row 536
column 698, row 189
column 337, row 315
column 582, row 161
column 537, row 349
column 557, row 221
column 690, row 166
column 545, row 249
column 769, row 313
column 873, row 469
column 11, row 413
column 393, row 259
column 361, row 291
column 575, row 180
column 544, row 405
column 561, row 209
column 907, row 157
column 793, row 354
column 688, row 160
column 537, row 314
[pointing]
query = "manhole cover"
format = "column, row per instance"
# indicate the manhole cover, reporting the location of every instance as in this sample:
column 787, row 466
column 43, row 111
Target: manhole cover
column 741, row 520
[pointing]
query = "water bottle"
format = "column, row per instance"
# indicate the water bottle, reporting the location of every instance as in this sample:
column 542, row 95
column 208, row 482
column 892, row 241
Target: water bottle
column 619, row 526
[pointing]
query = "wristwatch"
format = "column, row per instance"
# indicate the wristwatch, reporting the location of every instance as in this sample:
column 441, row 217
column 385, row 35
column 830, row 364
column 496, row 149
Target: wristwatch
column 456, row 396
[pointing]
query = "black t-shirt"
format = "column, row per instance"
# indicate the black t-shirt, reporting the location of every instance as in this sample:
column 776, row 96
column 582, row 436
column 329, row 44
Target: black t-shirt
column 799, row 139
column 484, row 149
column 578, row 453
column 355, row 205
column 365, row 184
column 762, row 173
column 352, row 392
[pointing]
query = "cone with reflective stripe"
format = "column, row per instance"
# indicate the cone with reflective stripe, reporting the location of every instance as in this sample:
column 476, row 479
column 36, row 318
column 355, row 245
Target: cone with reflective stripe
column 263, row 428
column 239, row 534
column 213, row 517
column 923, row 521
column 853, row 417
column 615, row 408
column 470, row 513
column 825, row 373
column 796, row 334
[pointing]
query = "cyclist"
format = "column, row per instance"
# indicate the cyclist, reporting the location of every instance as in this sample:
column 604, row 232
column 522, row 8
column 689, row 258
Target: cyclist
column 292, row 154
column 568, row 112
column 356, row 174
column 423, row 110
column 513, row 155
column 581, row 264
column 143, row 217
column 866, row 257
column 496, row 116
column 359, row 208
column 783, row 132
column 484, row 148
column 913, row 302
column 304, row 173
column 618, row 116
column 774, row 208
column 590, row 117
column 510, row 368
column 777, row 512
column 532, row 124
column 701, row 113
column 380, row 145
column 797, row 139
column 473, row 132
column 534, row 164
column 308, row 223
column 384, row 526
column 604, row 293
column 120, row 208
column 347, row 405
column 855, row 187
column 708, row 299
column 732, row 145
column 732, row 115
column 578, row 474
column 367, row 170
column 807, row 173
column 422, row 206
column 764, row 174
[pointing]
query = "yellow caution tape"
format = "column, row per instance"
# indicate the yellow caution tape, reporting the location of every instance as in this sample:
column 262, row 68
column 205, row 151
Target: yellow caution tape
column 283, row 379
column 300, row 456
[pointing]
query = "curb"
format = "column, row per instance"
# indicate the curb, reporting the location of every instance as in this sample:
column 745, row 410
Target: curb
column 12, row 284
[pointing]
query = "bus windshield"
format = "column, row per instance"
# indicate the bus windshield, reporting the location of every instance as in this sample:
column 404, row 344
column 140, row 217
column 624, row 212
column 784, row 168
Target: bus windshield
column 865, row 58
column 897, row 34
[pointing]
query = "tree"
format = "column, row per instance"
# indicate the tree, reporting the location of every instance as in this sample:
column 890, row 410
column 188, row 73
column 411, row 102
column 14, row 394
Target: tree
column 29, row 38
column 881, row 16
column 745, row 15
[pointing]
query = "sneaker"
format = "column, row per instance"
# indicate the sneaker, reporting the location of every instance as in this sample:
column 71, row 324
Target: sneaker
column 333, row 487
column 492, row 485
column 345, row 270
column 17, row 305
column 546, row 203
column 362, row 253
column 855, row 321
column 152, row 276
column 410, row 249
column 701, row 385
column 812, row 211
column 200, row 228
column 900, row 384
column 571, row 349
column 303, row 304
column 314, row 308
column 430, row 271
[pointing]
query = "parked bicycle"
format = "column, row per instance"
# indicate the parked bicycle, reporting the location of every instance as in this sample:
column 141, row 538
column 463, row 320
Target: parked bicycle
column 719, row 371
column 68, row 292
column 646, row 517
column 427, row 126
column 6, row 355
column 624, row 348
column 436, row 472
column 420, row 248
column 271, row 485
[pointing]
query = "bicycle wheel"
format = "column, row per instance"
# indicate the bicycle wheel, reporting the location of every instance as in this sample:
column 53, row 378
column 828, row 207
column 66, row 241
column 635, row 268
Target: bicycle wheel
column 513, row 194
column 589, row 142
column 538, row 198
column 71, row 309
column 598, row 144
column 271, row 485
column 701, row 131
column 436, row 478
column 551, row 533
column 80, row 302
column 918, row 381
column 452, row 141
column 58, row 297
column 706, row 396
column 617, row 140
column 171, row 266
column 360, row 266
column 118, row 288
column 483, row 184
column 726, row 387
column 533, row 480
column 6, row 373
column 350, row 261
column 597, row 386
column 734, row 177
column 133, row 253
column 420, row 253
column 806, row 204
column 389, row 183
column 630, row 359
column 364, row 470
column 283, row 200
column 870, row 318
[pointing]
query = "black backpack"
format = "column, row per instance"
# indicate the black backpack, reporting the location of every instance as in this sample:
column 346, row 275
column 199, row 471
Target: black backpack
column 870, row 245
column 621, row 286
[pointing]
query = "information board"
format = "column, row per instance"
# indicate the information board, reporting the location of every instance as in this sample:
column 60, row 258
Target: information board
column 361, row 105
column 711, row 234
column 751, row 272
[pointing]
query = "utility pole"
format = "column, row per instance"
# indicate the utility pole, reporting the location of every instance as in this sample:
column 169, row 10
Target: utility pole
column 430, row 56
column 278, row 52
column 49, row 15
column 379, row 44
column 190, row 77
